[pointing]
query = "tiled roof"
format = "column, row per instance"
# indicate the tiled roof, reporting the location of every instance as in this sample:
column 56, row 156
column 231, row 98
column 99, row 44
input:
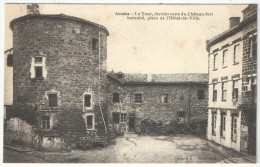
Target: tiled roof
column 161, row 78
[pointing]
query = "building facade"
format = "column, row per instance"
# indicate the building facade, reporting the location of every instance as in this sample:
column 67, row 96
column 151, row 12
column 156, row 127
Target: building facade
column 226, row 54
column 158, row 103
column 249, row 82
column 59, row 75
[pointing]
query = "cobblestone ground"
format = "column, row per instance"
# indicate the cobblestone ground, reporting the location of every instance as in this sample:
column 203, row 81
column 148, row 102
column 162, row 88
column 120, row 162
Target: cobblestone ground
column 133, row 149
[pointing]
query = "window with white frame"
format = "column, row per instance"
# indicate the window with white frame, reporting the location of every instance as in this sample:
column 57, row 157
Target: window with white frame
column 223, row 125
column 45, row 122
column 215, row 92
column 38, row 67
column 235, row 90
column 123, row 117
column 90, row 121
column 165, row 98
column 236, row 54
column 253, row 46
column 215, row 61
column 224, row 59
column 88, row 100
column 224, row 91
column 234, row 127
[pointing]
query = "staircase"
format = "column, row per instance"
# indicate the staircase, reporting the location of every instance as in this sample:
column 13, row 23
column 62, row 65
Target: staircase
column 233, row 160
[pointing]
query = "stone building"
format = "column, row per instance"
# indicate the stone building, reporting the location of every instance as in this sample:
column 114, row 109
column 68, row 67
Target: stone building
column 60, row 85
column 158, row 103
column 59, row 75
column 249, row 85
column 226, row 54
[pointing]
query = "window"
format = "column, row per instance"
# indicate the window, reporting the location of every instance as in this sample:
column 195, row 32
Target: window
column 236, row 54
column 224, row 91
column 123, row 117
column 94, row 44
column 10, row 60
column 201, row 94
column 235, row 90
column 38, row 72
column 214, row 123
column 116, row 97
column 90, row 121
column 38, row 60
column 37, row 68
column 253, row 90
column 181, row 117
column 115, row 117
column 45, row 120
column 215, row 92
column 224, row 60
column 53, row 100
column 234, row 127
column 165, row 98
column 223, row 125
column 138, row 98
column 88, row 100
column 253, row 46
column 215, row 62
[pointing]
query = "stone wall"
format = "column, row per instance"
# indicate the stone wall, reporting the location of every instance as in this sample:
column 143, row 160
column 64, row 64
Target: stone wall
column 153, row 116
column 72, row 69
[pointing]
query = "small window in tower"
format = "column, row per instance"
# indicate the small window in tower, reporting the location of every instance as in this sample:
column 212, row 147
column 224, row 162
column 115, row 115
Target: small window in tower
column 90, row 121
column 53, row 100
column 10, row 60
column 116, row 97
column 94, row 44
column 38, row 72
column 87, row 100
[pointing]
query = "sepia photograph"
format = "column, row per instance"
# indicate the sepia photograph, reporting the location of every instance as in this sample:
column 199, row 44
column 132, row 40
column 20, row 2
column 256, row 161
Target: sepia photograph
column 130, row 83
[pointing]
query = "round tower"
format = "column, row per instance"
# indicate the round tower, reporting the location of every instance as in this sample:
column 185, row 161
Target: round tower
column 59, row 72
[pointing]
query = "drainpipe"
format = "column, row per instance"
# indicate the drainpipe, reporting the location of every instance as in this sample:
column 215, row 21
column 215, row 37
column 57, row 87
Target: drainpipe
column 189, row 107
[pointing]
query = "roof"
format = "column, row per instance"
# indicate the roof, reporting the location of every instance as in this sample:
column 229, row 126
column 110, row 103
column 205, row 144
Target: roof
column 231, row 31
column 129, row 78
column 59, row 16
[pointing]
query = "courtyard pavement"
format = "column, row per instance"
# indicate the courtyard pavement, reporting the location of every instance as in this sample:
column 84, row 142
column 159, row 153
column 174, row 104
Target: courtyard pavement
column 130, row 148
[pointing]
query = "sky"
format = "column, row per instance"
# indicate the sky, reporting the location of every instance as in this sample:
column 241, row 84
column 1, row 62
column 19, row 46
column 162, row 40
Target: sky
column 141, row 46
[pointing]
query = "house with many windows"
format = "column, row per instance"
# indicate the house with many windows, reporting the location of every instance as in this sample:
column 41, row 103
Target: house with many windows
column 226, row 54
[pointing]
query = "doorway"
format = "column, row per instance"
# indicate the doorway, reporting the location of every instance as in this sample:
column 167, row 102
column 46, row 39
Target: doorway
column 131, row 127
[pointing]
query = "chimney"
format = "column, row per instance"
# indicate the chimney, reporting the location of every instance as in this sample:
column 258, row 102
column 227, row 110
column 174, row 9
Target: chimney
column 33, row 9
column 234, row 21
column 149, row 77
